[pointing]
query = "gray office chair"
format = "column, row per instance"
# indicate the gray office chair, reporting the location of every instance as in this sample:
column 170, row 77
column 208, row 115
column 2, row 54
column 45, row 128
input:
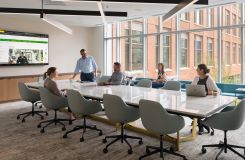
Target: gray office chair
column 172, row 85
column 227, row 121
column 29, row 95
column 157, row 120
column 144, row 83
column 79, row 105
column 119, row 112
column 55, row 103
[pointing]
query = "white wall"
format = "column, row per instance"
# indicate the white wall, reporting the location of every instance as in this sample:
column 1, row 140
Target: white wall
column 63, row 48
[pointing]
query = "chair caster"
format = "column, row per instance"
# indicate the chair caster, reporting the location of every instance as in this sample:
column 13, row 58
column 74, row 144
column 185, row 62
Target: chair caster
column 172, row 149
column 46, row 113
column 18, row 117
column 105, row 150
column 100, row 133
column 140, row 142
column 63, row 128
column 65, row 136
column 23, row 120
column 130, row 151
column 42, row 118
column 39, row 126
column 104, row 140
column 212, row 133
column 81, row 139
column 147, row 150
column 204, row 151
column 42, row 131
column 70, row 122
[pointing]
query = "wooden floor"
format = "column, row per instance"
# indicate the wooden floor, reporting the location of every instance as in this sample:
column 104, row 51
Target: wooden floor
column 23, row 141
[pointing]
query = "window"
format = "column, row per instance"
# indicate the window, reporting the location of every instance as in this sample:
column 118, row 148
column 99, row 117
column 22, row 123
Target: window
column 227, row 53
column 234, row 53
column 166, row 50
column 185, row 16
column 239, row 29
column 198, row 17
column 184, row 50
column 198, row 50
column 210, row 16
column 234, row 23
column 240, row 53
column 210, row 55
column 227, row 20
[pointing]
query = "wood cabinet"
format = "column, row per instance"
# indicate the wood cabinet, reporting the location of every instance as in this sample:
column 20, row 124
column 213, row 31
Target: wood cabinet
column 9, row 85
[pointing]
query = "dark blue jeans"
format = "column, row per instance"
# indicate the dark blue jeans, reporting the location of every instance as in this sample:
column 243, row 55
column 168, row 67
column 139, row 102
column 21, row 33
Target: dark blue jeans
column 87, row 77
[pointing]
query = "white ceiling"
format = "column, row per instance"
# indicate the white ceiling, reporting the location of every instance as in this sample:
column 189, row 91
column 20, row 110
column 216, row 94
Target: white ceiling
column 134, row 10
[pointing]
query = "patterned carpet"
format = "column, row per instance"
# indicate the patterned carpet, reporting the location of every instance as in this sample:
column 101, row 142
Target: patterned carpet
column 23, row 141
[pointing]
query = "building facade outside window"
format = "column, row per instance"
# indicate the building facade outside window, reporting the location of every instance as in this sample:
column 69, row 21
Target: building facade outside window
column 184, row 51
column 198, row 50
column 210, row 55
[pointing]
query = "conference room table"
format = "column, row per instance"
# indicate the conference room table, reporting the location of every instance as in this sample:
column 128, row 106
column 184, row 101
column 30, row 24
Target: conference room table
column 175, row 102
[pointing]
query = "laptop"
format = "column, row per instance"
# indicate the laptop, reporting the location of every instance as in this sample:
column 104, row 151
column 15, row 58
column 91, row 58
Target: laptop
column 196, row 90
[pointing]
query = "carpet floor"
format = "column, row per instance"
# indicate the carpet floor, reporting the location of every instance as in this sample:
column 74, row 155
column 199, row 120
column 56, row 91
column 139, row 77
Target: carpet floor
column 23, row 141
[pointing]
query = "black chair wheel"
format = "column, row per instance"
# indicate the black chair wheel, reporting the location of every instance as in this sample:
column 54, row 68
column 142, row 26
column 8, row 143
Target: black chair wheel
column 65, row 136
column 39, row 126
column 105, row 150
column 130, row 151
column 42, row 118
column 104, row 140
column 147, row 150
column 63, row 128
column 140, row 142
column 23, row 120
column 42, row 131
column 204, row 151
column 81, row 139
column 18, row 117
column 100, row 133
column 172, row 149
column 70, row 122
column 212, row 133
column 46, row 113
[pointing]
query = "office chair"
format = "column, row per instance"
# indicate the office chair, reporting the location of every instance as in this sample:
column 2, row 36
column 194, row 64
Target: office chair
column 118, row 112
column 30, row 95
column 172, row 85
column 158, row 121
column 55, row 103
column 144, row 83
column 79, row 105
column 227, row 121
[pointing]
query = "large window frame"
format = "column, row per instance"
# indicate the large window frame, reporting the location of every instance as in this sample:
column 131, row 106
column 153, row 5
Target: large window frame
column 226, row 25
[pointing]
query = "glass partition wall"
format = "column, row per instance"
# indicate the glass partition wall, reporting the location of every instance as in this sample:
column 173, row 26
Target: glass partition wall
column 214, row 36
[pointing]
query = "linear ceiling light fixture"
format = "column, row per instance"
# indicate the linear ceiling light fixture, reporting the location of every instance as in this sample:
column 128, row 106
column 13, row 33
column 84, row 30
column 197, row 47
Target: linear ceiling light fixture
column 178, row 8
column 55, row 23
column 201, row 2
column 102, row 13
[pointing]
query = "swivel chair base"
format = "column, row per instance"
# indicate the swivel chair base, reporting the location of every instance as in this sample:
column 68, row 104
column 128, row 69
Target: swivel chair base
column 32, row 113
column 160, row 150
column 123, row 138
column 224, row 146
column 83, row 127
column 55, row 121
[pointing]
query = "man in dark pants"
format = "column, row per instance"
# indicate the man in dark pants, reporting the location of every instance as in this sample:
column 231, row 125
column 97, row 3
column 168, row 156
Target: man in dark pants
column 87, row 66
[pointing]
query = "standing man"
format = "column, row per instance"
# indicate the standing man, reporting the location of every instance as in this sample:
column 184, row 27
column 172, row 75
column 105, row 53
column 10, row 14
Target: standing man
column 87, row 66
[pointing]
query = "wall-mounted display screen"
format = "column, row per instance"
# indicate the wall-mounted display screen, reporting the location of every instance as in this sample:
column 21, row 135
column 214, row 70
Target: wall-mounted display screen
column 21, row 48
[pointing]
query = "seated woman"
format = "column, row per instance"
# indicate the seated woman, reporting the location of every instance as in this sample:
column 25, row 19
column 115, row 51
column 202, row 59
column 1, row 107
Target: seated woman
column 161, row 77
column 51, row 85
column 204, row 78
column 117, row 77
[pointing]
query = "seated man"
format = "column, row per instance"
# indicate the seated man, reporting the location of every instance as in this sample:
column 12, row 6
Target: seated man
column 117, row 77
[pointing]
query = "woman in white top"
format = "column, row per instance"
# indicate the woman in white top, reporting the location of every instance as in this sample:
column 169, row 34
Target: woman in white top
column 204, row 78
